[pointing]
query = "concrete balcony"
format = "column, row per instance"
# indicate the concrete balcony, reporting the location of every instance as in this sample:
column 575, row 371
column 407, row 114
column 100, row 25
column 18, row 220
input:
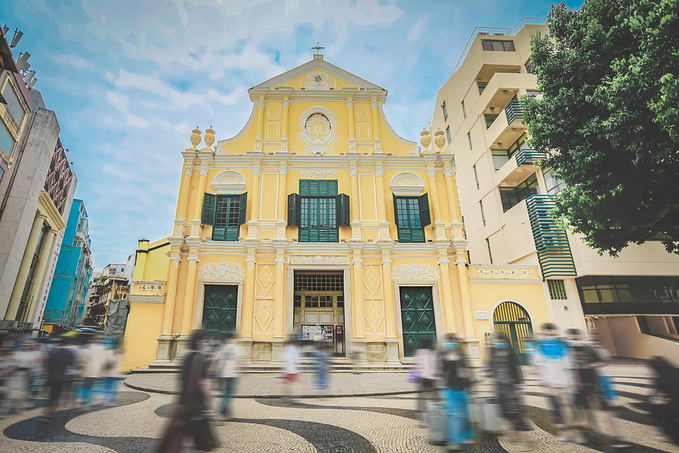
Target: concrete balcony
column 507, row 128
column 502, row 87
column 521, row 165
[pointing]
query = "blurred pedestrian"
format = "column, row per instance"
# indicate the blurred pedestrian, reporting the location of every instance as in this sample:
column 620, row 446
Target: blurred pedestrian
column 608, row 395
column 507, row 377
column 588, row 396
column 552, row 364
column 7, row 368
column 27, row 362
column 190, row 413
column 111, row 371
column 227, row 362
column 457, row 381
column 292, row 356
column 322, row 366
column 664, row 402
column 427, row 364
column 93, row 360
column 60, row 360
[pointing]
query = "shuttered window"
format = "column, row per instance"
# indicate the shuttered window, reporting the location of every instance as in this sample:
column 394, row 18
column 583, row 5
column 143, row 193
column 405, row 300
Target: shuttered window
column 226, row 213
column 318, row 210
column 412, row 215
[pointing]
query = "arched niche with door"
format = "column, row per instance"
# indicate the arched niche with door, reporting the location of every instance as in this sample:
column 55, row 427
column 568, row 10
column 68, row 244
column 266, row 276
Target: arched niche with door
column 514, row 321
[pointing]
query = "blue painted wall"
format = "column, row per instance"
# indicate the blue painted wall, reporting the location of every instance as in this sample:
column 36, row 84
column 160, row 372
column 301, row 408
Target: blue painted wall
column 67, row 271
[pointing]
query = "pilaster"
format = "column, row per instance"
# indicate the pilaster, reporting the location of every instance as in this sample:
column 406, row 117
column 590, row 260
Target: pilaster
column 190, row 293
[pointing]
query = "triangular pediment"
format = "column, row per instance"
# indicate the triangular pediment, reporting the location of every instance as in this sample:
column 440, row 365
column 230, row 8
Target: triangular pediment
column 317, row 74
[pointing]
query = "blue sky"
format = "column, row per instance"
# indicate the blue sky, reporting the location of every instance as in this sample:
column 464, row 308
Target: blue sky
column 130, row 79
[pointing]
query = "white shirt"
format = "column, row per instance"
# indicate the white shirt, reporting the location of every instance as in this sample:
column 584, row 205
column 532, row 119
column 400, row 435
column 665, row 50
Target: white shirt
column 291, row 356
column 227, row 361
column 427, row 363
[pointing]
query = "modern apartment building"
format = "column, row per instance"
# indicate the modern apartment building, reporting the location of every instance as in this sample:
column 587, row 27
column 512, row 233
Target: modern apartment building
column 632, row 301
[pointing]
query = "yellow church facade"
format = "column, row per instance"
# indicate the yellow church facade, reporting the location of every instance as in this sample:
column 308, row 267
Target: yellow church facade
column 318, row 219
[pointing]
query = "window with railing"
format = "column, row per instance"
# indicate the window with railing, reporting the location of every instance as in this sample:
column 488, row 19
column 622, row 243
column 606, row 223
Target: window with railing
column 497, row 45
column 445, row 111
column 502, row 156
column 448, row 134
column 464, row 110
column 482, row 86
column 554, row 185
column 511, row 196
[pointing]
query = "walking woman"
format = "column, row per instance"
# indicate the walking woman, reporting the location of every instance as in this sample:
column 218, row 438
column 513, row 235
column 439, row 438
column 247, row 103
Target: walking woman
column 505, row 370
column 457, row 381
column 190, row 414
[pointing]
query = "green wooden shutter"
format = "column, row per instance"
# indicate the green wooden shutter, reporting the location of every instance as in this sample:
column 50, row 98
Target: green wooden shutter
column 425, row 216
column 219, row 233
column 395, row 211
column 209, row 208
column 343, row 210
column 293, row 209
column 242, row 208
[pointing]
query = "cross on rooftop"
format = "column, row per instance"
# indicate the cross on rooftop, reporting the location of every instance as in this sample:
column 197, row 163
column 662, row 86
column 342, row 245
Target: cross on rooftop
column 318, row 47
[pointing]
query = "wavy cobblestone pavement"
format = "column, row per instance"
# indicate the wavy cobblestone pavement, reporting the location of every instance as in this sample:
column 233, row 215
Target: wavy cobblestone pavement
column 355, row 422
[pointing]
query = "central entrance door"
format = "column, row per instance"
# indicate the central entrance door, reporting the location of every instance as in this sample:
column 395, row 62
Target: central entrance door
column 417, row 317
column 319, row 308
column 219, row 308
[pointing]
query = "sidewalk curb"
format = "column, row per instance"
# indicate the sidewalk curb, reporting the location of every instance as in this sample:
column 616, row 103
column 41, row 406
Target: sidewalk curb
column 277, row 396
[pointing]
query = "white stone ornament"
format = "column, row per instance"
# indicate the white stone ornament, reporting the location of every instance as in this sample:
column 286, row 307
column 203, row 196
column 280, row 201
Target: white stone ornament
column 318, row 174
column 317, row 80
column 222, row 271
column 228, row 181
column 318, row 259
column 318, row 125
column 415, row 272
column 407, row 183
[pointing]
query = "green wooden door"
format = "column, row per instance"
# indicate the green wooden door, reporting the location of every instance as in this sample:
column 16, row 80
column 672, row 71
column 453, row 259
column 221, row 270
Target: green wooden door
column 514, row 321
column 219, row 308
column 417, row 317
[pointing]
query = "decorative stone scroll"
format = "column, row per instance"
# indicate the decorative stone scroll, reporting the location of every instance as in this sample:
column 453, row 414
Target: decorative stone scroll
column 222, row 271
column 318, row 174
column 229, row 181
column 318, row 259
column 415, row 272
column 407, row 183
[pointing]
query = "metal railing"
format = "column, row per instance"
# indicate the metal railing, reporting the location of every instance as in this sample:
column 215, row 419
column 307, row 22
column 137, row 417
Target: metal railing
column 490, row 31
column 551, row 241
column 514, row 111
column 528, row 157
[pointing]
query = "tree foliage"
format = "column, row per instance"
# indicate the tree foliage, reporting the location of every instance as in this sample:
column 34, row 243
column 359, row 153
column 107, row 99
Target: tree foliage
column 609, row 119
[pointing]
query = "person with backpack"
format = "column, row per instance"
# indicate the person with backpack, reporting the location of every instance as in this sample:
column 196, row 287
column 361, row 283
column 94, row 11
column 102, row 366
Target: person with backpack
column 457, row 381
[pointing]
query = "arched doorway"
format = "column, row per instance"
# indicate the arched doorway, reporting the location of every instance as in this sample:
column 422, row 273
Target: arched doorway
column 514, row 321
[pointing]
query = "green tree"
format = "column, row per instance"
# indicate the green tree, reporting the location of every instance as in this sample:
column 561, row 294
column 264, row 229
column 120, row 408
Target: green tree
column 609, row 119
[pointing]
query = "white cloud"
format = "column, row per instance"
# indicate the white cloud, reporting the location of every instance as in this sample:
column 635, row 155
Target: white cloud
column 178, row 100
column 118, row 100
column 417, row 29
column 72, row 60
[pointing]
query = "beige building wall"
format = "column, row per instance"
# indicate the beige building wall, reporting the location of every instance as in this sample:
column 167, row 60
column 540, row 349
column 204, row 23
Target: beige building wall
column 506, row 238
